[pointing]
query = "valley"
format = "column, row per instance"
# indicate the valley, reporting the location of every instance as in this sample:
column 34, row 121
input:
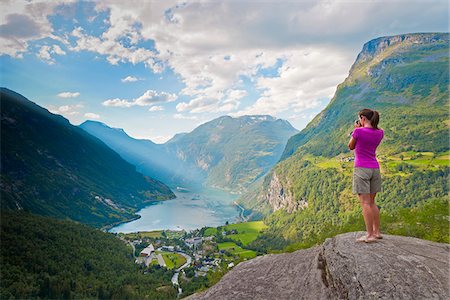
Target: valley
column 91, row 197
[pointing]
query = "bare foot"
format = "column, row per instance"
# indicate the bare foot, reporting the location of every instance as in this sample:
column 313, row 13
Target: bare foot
column 366, row 239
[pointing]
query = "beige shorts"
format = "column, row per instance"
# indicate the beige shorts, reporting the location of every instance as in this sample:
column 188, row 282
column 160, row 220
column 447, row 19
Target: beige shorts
column 366, row 181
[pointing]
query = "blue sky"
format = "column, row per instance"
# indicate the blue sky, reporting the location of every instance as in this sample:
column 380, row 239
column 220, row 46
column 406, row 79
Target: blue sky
column 157, row 68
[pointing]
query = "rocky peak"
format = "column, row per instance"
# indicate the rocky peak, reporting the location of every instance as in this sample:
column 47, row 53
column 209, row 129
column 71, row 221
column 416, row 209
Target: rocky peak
column 379, row 45
column 395, row 267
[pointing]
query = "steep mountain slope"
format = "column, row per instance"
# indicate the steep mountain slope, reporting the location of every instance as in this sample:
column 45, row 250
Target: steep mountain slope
column 44, row 258
column 52, row 168
column 406, row 79
column 233, row 152
column 149, row 158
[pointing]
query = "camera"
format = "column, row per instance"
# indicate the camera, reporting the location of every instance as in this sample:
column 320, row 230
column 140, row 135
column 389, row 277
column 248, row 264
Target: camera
column 357, row 122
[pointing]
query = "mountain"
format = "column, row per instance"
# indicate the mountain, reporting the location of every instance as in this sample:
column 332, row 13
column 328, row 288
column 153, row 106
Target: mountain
column 406, row 79
column 393, row 268
column 45, row 258
column 52, row 168
column 149, row 158
column 227, row 153
column 232, row 153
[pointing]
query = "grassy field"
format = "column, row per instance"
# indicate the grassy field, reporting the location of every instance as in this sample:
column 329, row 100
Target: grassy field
column 247, row 231
column 173, row 260
column 236, row 250
column 170, row 234
column 390, row 165
column 142, row 234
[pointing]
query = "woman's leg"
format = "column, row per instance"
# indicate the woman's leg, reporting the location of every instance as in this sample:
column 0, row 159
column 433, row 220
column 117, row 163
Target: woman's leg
column 376, row 215
column 366, row 200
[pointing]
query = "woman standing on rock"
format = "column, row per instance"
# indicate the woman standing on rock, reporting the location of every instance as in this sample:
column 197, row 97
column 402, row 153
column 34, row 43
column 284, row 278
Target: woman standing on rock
column 365, row 139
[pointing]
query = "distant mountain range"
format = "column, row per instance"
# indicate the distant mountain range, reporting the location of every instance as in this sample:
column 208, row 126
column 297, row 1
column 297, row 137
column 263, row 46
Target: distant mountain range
column 149, row 158
column 406, row 79
column 53, row 168
column 227, row 153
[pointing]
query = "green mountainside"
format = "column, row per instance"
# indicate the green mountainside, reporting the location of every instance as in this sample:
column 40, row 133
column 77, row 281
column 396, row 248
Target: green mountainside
column 50, row 167
column 232, row 153
column 44, row 258
column 307, row 195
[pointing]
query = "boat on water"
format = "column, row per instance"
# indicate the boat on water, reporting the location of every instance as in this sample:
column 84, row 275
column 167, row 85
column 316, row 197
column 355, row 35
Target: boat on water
column 182, row 189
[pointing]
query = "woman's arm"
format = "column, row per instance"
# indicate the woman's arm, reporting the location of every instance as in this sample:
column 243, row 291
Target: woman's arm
column 352, row 143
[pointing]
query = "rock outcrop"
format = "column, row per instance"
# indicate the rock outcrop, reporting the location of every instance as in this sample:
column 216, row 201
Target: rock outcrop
column 378, row 45
column 395, row 267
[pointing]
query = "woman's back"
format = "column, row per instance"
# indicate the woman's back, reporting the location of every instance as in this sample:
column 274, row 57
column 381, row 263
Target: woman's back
column 367, row 141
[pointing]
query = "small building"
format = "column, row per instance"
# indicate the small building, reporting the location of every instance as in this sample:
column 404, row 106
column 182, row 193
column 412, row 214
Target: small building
column 193, row 242
column 204, row 269
column 208, row 238
column 169, row 248
column 145, row 260
column 147, row 251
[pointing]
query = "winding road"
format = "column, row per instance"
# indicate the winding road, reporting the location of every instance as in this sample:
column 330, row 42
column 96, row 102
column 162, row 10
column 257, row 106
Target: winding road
column 241, row 215
column 177, row 271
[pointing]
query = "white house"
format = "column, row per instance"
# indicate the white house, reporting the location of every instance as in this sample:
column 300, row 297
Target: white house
column 148, row 251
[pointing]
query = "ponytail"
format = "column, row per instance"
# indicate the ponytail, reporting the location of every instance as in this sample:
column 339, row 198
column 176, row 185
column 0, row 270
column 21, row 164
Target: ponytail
column 372, row 115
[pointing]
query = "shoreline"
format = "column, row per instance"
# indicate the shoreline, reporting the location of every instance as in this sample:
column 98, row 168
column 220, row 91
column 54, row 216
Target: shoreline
column 137, row 217
column 236, row 212
column 106, row 228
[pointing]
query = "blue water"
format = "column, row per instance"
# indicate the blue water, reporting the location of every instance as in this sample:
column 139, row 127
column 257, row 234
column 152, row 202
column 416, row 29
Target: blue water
column 190, row 210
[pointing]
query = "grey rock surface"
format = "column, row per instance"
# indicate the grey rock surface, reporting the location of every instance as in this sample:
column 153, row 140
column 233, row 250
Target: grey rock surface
column 395, row 267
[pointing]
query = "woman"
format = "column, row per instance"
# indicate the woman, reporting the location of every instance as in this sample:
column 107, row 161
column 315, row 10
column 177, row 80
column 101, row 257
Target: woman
column 365, row 139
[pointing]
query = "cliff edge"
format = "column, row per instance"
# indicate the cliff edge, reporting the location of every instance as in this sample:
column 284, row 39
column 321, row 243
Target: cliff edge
column 395, row 267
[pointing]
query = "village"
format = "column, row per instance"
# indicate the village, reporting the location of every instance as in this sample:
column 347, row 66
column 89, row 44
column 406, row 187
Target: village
column 197, row 251
column 194, row 254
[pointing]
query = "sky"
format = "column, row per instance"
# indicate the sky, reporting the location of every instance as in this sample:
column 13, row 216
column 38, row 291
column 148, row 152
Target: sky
column 157, row 68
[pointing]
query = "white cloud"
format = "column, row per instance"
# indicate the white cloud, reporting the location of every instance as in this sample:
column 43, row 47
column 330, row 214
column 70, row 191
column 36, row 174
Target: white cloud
column 156, row 108
column 57, row 50
column 305, row 77
column 213, row 55
column 66, row 110
column 183, row 117
column 149, row 98
column 92, row 116
column 68, row 94
column 117, row 102
column 113, row 49
column 129, row 79
column 44, row 54
column 46, row 51
column 25, row 21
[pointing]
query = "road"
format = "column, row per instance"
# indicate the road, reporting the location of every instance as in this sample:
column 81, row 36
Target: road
column 241, row 215
column 131, row 244
column 177, row 271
